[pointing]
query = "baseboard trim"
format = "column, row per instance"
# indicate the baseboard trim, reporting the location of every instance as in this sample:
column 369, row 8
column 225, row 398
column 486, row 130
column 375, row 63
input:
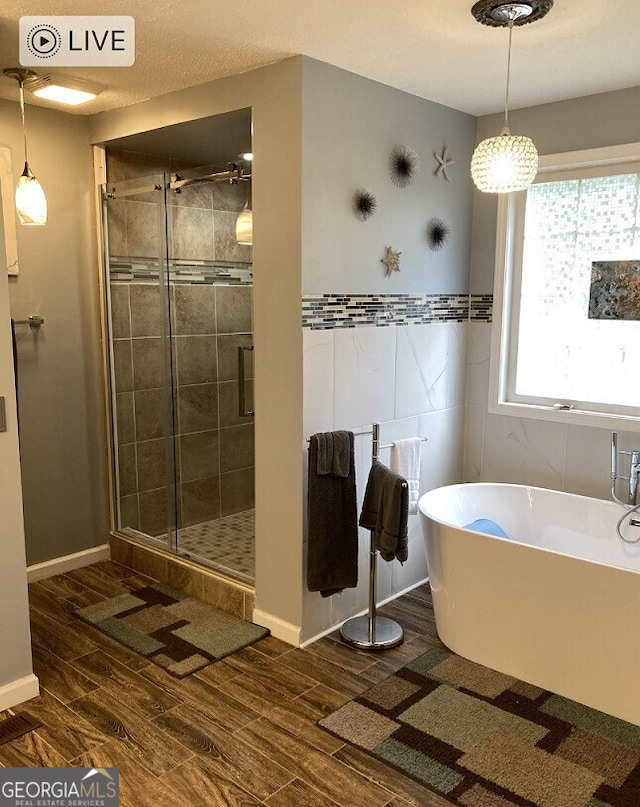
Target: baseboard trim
column 19, row 691
column 285, row 631
column 334, row 628
column 49, row 568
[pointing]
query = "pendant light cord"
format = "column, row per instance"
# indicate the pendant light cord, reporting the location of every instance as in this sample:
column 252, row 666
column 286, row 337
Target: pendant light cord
column 506, row 90
column 24, row 128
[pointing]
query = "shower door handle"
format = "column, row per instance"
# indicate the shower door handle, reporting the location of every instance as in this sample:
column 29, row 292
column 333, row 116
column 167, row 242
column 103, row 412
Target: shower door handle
column 242, row 383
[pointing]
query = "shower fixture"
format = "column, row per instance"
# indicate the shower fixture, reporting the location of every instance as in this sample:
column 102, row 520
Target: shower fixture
column 31, row 203
column 507, row 162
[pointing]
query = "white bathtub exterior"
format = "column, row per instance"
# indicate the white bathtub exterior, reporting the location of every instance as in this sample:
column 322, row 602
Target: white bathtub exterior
column 557, row 605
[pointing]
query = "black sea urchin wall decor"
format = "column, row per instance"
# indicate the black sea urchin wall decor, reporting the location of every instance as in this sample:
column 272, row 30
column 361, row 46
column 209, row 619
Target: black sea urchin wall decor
column 364, row 204
column 404, row 166
column 438, row 233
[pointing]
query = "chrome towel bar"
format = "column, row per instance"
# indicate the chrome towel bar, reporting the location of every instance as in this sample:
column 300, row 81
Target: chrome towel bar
column 34, row 321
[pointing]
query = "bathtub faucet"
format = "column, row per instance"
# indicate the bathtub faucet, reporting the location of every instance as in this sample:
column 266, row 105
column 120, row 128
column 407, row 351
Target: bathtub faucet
column 634, row 471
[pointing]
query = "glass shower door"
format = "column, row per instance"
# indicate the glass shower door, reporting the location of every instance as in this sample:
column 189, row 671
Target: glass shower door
column 180, row 317
column 212, row 325
column 140, row 359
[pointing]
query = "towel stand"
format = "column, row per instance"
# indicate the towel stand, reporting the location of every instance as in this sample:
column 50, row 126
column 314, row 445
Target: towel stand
column 370, row 631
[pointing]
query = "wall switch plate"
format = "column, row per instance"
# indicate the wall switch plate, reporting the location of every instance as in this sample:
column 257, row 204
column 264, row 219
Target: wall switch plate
column 3, row 415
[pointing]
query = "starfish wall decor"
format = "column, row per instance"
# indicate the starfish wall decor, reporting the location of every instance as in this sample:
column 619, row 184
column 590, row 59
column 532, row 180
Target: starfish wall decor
column 391, row 261
column 444, row 162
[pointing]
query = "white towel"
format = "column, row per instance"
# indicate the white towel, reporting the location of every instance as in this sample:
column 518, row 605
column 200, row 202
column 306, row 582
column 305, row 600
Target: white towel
column 405, row 460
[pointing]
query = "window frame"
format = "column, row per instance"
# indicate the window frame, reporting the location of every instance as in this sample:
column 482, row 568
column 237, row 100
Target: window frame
column 507, row 280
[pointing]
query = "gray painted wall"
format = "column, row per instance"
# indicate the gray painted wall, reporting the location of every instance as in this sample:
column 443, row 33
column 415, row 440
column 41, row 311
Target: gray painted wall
column 15, row 660
column 60, row 378
column 351, row 125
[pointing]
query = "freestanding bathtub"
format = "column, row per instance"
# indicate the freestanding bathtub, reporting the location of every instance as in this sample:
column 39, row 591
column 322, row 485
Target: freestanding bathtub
column 556, row 603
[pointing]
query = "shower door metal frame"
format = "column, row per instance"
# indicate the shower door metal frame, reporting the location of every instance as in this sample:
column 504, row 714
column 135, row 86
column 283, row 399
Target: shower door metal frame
column 109, row 191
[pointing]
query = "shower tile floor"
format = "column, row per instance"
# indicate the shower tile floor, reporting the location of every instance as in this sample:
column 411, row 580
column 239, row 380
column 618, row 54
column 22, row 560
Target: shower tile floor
column 226, row 544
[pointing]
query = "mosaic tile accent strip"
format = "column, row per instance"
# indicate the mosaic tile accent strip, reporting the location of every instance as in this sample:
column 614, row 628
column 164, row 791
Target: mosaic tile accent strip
column 329, row 311
column 481, row 307
column 484, row 739
column 144, row 270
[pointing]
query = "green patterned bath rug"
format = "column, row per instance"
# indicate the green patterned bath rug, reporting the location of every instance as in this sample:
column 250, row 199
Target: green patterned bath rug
column 484, row 739
column 179, row 633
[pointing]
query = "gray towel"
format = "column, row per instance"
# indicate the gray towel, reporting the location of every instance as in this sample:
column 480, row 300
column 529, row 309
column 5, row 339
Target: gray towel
column 334, row 453
column 385, row 510
column 332, row 552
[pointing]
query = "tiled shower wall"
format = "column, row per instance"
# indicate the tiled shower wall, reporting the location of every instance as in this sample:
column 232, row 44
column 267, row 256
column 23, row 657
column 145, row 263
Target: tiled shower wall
column 214, row 466
column 201, row 217
column 211, row 317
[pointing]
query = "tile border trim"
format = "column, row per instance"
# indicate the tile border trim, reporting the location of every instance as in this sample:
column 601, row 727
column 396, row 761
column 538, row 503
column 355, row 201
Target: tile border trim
column 147, row 270
column 333, row 311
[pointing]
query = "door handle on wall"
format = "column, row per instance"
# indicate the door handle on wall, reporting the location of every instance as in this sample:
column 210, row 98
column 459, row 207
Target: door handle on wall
column 242, row 382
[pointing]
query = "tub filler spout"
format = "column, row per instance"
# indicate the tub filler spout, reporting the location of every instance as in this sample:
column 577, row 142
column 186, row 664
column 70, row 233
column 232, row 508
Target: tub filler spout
column 634, row 472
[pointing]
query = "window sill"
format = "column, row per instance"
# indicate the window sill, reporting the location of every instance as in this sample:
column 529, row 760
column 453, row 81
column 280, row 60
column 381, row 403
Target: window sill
column 571, row 417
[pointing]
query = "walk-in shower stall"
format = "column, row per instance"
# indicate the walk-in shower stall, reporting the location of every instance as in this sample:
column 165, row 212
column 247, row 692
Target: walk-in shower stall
column 178, row 290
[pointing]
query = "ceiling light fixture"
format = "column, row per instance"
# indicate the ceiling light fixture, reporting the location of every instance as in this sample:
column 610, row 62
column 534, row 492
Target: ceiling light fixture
column 63, row 89
column 244, row 226
column 507, row 162
column 31, row 203
column 244, row 221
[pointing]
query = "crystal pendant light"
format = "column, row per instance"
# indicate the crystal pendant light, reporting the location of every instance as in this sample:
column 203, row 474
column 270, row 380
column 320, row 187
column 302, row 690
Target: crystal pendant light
column 31, row 203
column 507, row 162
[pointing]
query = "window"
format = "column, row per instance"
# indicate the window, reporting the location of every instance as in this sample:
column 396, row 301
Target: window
column 567, row 297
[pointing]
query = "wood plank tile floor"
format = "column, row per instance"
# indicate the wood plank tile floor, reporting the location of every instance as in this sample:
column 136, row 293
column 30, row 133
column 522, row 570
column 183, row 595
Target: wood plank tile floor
column 239, row 733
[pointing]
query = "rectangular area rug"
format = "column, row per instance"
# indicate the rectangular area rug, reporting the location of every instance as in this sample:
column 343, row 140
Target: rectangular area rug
column 484, row 739
column 179, row 633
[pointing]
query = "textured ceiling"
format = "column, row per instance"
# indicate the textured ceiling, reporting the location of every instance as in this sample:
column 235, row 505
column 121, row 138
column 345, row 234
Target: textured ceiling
column 431, row 48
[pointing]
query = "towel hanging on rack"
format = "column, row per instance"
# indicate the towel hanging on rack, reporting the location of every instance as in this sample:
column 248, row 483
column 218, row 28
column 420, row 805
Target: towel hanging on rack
column 334, row 453
column 405, row 460
column 332, row 550
column 385, row 510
